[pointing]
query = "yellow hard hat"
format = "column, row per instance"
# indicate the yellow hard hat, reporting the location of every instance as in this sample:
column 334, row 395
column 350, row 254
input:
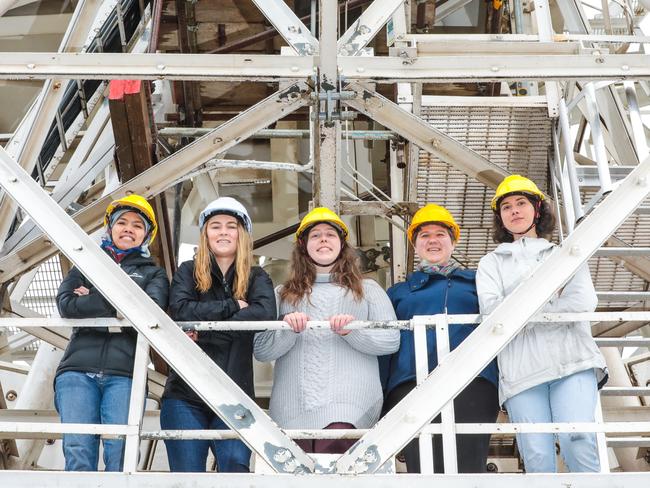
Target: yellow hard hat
column 515, row 184
column 318, row 215
column 135, row 202
column 433, row 213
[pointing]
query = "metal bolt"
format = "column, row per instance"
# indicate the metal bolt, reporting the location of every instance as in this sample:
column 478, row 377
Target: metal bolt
column 294, row 68
column 282, row 455
column 240, row 415
column 575, row 250
column 498, row 329
column 364, row 29
column 77, row 247
column 360, row 69
column 13, row 179
column 494, row 68
column 292, row 29
column 360, row 467
column 410, row 417
column 161, row 67
column 31, row 66
column 642, row 181
column 625, row 67
column 11, row 395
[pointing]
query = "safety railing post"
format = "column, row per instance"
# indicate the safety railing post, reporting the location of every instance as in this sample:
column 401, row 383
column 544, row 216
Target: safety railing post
column 448, row 416
column 425, row 441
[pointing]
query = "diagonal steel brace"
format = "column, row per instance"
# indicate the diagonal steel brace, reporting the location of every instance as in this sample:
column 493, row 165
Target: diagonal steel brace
column 445, row 382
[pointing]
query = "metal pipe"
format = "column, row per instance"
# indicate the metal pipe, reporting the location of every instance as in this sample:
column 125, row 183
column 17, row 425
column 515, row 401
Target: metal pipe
column 570, row 163
column 598, row 138
column 370, row 135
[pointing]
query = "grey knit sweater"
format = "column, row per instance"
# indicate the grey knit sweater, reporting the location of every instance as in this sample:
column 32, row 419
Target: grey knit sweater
column 321, row 377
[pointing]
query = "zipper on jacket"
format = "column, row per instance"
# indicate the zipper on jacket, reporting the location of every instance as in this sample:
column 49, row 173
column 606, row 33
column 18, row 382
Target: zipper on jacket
column 444, row 306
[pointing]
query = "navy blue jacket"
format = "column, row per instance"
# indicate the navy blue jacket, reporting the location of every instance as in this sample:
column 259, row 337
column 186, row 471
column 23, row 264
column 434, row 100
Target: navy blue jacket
column 430, row 294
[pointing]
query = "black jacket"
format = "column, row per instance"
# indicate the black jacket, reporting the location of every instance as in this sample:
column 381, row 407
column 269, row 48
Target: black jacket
column 97, row 350
column 232, row 351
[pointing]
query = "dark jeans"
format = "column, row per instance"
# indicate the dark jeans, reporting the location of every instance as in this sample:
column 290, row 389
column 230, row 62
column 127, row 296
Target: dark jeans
column 191, row 455
column 478, row 403
column 328, row 446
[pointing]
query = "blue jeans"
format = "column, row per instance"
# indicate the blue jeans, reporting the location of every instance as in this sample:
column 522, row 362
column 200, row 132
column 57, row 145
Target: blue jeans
column 191, row 455
column 92, row 398
column 569, row 399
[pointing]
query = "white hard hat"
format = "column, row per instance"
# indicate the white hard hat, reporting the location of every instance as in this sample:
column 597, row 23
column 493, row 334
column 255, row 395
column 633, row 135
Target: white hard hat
column 227, row 206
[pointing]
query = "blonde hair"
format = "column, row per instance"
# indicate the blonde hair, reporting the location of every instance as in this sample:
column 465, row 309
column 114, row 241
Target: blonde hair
column 243, row 263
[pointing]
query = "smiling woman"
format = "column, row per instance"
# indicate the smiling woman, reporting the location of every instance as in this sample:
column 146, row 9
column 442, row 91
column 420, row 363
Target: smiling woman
column 93, row 381
column 219, row 284
column 439, row 286
column 326, row 379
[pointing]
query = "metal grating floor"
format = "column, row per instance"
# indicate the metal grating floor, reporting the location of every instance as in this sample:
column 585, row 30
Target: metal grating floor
column 518, row 139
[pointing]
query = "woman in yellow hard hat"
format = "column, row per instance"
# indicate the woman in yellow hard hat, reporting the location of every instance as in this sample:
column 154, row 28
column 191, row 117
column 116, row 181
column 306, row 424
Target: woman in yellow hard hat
column 548, row 372
column 93, row 380
column 439, row 285
column 326, row 379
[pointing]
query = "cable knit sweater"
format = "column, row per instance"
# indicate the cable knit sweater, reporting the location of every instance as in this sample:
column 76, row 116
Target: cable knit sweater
column 321, row 377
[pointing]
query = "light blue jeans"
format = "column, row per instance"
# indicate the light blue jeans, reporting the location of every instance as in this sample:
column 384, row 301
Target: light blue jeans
column 92, row 398
column 569, row 399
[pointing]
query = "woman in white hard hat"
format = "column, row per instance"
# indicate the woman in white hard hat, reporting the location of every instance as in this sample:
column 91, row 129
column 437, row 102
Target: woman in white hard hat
column 549, row 372
column 219, row 284
column 439, row 285
column 326, row 379
column 93, row 380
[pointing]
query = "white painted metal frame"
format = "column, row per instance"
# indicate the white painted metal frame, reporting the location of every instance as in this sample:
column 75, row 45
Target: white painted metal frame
column 289, row 26
column 156, row 179
column 214, row 386
column 464, row 363
column 273, row 68
column 366, row 27
column 420, row 132
column 27, row 149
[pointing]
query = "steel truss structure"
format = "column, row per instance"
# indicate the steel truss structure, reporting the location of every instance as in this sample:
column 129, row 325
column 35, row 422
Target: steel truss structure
column 598, row 176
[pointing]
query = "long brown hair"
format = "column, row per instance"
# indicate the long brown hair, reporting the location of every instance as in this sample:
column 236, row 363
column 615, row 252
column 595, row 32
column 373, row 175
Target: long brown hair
column 345, row 273
column 243, row 262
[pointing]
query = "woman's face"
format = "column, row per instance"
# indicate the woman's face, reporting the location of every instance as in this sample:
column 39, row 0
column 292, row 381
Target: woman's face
column 433, row 243
column 323, row 244
column 222, row 232
column 517, row 214
column 128, row 231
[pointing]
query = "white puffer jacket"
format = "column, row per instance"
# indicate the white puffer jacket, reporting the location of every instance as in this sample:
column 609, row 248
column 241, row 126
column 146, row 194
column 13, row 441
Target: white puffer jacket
column 541, row 352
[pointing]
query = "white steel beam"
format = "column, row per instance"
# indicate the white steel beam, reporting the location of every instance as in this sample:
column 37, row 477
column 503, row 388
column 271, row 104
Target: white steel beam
column 423, row 134
column 27, row 149
column 157, row 178
column 462, row 365
column 34, row 479
column 366, row 27
column 273, row 68
column 288, row 25
column 72, row 185
column 215, row 387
